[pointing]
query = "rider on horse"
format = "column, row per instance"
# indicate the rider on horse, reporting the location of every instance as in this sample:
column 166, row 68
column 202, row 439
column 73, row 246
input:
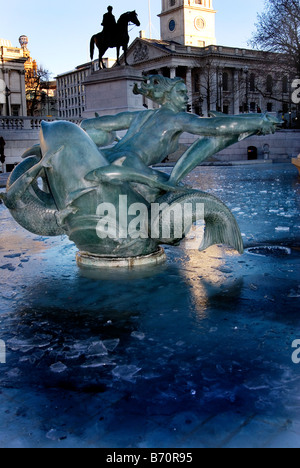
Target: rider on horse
column 109, row 25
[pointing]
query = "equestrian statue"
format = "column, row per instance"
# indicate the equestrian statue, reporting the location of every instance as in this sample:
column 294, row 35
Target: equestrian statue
column 114, row 34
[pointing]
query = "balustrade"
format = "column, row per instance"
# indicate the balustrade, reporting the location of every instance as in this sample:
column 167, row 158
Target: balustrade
column 27, row 123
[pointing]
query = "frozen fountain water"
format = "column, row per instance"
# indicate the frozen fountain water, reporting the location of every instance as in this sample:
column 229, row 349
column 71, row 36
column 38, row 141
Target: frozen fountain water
column 196, row 352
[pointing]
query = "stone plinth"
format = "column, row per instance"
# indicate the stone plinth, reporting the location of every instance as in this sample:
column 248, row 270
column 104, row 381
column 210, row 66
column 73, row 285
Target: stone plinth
column 109, row 92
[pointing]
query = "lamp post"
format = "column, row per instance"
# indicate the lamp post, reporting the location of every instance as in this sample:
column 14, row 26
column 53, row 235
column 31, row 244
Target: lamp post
column 7, row 93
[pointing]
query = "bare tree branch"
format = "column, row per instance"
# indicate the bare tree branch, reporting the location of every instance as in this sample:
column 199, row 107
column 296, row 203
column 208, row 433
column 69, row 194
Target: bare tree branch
column 278, row 30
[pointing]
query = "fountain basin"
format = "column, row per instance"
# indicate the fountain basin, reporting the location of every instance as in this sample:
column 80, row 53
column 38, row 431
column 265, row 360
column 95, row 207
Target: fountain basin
column 84, row 259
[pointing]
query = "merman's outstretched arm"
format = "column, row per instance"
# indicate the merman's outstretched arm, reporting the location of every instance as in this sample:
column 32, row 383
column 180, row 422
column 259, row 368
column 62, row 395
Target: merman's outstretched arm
column 228, row 125
column 102, row 129
column 225, row 131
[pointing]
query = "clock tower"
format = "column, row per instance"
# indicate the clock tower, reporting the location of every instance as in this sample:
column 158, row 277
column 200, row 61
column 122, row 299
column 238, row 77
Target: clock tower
column 188, row 22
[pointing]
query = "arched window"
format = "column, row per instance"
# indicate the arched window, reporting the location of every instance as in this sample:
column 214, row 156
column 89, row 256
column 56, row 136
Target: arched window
column 269, row 84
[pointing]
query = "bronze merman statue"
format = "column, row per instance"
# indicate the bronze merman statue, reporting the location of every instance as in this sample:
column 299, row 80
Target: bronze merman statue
column 90, row 185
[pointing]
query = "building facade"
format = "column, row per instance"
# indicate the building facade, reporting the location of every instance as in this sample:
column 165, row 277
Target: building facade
column 231, row 80
column 227, row 79
column 12, row 80
column 71, row 92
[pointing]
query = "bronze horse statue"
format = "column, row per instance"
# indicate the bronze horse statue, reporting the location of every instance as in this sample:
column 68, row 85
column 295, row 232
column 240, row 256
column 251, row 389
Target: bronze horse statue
column 120, row 35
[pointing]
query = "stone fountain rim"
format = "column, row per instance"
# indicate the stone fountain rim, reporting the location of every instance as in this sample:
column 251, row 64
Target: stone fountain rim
column 85, row 259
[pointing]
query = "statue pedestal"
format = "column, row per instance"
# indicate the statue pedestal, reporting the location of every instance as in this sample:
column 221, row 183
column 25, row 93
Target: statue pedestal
column 109, row 91
column 85, row 259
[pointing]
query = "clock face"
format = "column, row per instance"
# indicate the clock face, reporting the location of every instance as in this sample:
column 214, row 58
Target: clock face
column 172, row 25
column 199, row 23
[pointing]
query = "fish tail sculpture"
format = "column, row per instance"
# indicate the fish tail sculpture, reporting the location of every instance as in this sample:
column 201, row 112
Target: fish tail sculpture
column 32, row 208
column 220, row 224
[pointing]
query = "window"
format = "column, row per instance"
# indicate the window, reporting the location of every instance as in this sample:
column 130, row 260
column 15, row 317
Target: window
column 225, row 81
column 172, row 25
column 252, row 82
column 252, row 106
column 285, row 108
column 197, row 83
column 172, row 3
column 285, row 85
column 269, row 84
column 15, row 111
column 270, row 107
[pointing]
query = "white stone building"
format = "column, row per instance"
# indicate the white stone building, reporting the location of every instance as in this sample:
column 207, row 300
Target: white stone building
column 228, row 79
column 12, row 80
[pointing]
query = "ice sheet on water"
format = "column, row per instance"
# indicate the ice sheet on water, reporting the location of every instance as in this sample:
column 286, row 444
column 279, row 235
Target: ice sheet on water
column 126, row 372
column 294, row 294
column 58, row 368
column 8, row 295
column 236, row 209
column 56, row 434
column 111, row 345
column 139, row 335
column 100, row 361
column 19, row 345
column 97, row 348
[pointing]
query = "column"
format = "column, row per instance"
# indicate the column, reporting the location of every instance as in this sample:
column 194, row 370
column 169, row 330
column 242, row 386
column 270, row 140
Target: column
column 214, row 90
column 173, row 72
column 236, row 92
column 220, row 89
column 23, row 93
column 189, row 86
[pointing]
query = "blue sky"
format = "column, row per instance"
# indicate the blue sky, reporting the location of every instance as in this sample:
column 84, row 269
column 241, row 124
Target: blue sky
column 59, row 31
